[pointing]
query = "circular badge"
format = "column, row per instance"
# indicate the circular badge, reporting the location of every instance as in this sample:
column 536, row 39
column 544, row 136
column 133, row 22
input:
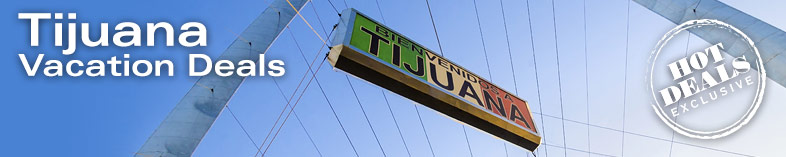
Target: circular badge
column 712, row 92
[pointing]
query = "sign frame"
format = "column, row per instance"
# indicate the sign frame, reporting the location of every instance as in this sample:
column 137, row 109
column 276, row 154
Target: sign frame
column 348, row 58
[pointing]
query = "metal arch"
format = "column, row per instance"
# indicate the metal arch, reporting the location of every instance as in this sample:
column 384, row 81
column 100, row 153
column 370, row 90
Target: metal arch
column 182, row 130
column 769, row 39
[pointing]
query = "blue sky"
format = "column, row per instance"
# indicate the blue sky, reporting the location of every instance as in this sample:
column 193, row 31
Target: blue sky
column 113, row 116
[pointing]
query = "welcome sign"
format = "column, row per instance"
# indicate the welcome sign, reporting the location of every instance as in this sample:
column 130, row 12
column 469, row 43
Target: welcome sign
column 373, row 52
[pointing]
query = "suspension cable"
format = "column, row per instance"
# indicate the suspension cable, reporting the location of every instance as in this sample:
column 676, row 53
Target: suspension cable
column 687, row 45
column 297, row 118
column 640, row 135
column 250, row 50
column 301, row 79
column 287, row 105
column 586, row 74
column 380, row 11
column 671, row 145
column 365, row 115
column 306, row 21
column 293, row 106
column 241, row 126
column 625, row 90
column 559, row 75
column 510, row 56
column 323, row 92
column 313, row 76
column 482, row 41
column 469, row 146
column 395, row 122
column 293, row 109
column 313, row 6
column 537, row 80
column 334, row 7
column 298, row 100
column 439, row 43
column 290, row 100
column 424, row 129
column 386, row 98
column 433, row 24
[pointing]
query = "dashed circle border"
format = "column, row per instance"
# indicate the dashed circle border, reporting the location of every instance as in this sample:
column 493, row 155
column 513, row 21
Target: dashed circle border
column 724, row 131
